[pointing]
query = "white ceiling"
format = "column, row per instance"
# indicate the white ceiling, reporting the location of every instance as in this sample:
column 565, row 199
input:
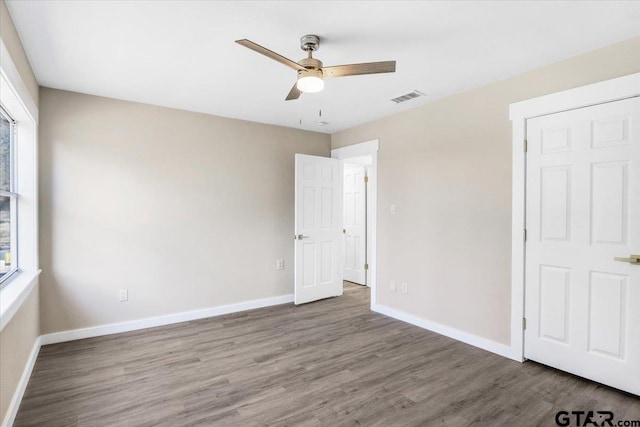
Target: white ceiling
column 182, row 54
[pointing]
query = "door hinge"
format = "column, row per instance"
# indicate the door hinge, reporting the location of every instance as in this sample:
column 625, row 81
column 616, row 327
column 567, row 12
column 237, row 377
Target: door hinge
column 366, row 179
column 525, row 234
column 524, row 323
column 525, row 146
column 366, row 266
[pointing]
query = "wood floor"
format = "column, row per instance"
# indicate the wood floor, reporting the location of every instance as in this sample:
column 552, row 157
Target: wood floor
column 331, row 363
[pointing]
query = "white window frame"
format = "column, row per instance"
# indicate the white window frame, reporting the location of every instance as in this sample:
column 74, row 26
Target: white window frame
column 22, row 107
column 13, row 195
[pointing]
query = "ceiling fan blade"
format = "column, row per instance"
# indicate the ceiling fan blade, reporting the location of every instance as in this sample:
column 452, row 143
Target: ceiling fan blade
column 357, row 69
column 270, row 54
column 294, row 93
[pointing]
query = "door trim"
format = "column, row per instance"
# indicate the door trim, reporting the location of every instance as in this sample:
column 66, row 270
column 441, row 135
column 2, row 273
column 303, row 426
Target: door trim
column 584, row 96
column 364, row 149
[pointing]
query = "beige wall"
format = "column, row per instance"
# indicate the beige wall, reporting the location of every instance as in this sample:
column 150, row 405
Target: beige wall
column 447, row 167
column 16, row 342
column 185, row 210
column 11, row 40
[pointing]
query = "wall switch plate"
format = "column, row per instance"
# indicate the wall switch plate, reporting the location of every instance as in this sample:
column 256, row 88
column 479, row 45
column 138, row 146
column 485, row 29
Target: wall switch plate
column 392, row 286
column 279, row 264
column 123, row 295
column 405, row 288
column 392, row 209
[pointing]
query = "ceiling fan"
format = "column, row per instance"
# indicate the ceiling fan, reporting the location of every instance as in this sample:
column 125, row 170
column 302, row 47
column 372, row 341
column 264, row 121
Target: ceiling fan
column 311, row 71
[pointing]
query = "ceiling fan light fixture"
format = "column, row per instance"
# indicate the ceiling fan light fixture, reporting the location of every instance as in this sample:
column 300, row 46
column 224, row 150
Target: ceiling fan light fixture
column 310, row 81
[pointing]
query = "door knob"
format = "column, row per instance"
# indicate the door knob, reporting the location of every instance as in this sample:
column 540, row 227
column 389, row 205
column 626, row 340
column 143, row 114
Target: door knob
column 299, row 237
column 633, row 259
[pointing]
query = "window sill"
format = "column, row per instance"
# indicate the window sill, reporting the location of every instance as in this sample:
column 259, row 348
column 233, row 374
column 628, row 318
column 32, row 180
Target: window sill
column 14, row 293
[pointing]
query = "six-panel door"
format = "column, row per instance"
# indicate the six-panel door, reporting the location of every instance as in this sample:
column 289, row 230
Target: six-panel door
column 583, row 210
column 355, row 217
column 318, row 228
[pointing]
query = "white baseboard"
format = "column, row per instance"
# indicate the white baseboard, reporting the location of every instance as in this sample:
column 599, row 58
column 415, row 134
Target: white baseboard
column 115, row 328
column 12, row 411
column 474, row 340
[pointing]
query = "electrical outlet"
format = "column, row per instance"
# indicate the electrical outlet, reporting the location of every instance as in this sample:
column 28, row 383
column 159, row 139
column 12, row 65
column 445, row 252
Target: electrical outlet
column 392, row 286
column 392, row 209
column 279, row 264
column 405, row 288
column 123, row 295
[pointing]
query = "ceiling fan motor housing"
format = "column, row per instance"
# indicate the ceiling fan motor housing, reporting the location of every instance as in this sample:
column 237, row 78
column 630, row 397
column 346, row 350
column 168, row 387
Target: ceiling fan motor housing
column 310, row 63
column 311, row 72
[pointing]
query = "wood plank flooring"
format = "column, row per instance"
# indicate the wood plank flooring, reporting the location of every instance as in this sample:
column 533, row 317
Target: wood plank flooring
column 331, row 363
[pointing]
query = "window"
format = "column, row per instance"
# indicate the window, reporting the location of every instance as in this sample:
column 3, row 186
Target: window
column 8, row 198
column 18, row 190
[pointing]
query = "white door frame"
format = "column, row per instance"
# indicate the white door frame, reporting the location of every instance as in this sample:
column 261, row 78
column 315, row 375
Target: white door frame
column 365, row 149
column 584, row 96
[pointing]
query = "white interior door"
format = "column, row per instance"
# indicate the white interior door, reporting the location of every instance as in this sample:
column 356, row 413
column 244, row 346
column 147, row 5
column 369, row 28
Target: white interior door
column 354, row 223
column 583, row 210
column 318, row 228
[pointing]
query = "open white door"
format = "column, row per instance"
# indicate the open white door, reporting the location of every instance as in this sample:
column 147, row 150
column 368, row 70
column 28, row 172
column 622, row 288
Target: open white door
column 318, row 228
column 355, row 218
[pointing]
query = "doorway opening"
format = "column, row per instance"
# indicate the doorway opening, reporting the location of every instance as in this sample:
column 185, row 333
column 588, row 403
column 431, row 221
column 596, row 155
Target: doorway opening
column 359, row 217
